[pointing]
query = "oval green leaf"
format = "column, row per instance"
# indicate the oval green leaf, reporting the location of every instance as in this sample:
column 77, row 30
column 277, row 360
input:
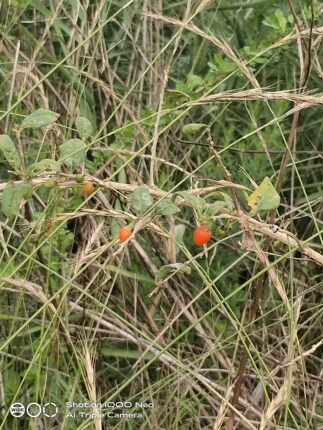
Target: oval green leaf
column 12, row 197
column 44, row 166
column 193, row 130
column 167, row 208
column 141, row 199
column 195, row 201
column 73, row 152
column 84, row 127
column 39, row 118
column 8, row 148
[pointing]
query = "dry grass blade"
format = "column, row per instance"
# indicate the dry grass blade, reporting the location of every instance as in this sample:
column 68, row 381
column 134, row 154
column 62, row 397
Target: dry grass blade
column 87, row 358
column 252, row 244
column 304, row 100
column 275, row 404
column 221, row 44
column 283, row 236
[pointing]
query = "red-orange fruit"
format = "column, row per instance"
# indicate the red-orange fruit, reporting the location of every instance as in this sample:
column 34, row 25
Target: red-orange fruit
column 88, row 188
column 202, row 235
column 124, row 233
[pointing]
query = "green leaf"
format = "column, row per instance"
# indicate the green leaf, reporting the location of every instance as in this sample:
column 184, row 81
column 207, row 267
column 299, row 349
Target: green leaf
column 166, row 208
column 12, row 380
column 137, row 275
column 86, row 103
column 125, row 353
column 264, row 198
column 176, row 97
column 179, row 236
column 213, row 209
column 278, row 21
column 8, row 148
column 281, row 19
column 179, row 233
column 122, row 176
column 193, row 130
column 12, row 197
column 39, row 118
column 44, row 166
column 141, row 199
column 169, row 269
column 7, row 269
column 115, row 227
column 223, row 64
column 194, row 82
column 73, row 152
column 228, row 201
column 125, row 135
column 217, row 206
column 192, row 200
column 84, row 127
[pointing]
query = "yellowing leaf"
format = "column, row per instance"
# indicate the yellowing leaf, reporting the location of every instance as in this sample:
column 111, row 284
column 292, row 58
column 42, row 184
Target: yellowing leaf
column 264, row 198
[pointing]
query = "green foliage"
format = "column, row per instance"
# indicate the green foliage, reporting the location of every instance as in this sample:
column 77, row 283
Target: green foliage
column 215, row 208
column 86, row 110
column 176, row 268
column 264, row 198
column 175, row 98
column 277, row 21
column 11, row 379
column 179, row 233
column 222, row 64
column 193, row 130
column 115, row 227
column 12, row 197
column 207, row 210
column 167, row 208
column 141, row 200
column 7, row 269
column 53, row 250
column 40, row 118
column 84, row 127
column 195, row 201
column 192, row 85
column 125, row 135
column 8, row 148
column 72, row 153
column 45, row 166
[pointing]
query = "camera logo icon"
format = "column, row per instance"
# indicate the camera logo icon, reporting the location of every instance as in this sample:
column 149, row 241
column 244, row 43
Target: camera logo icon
column 17, row 410
column 34, row 410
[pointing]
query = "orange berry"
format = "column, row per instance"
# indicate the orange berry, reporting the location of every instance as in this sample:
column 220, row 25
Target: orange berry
column 202, row 235
column 88, row 188
column 124, row 233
